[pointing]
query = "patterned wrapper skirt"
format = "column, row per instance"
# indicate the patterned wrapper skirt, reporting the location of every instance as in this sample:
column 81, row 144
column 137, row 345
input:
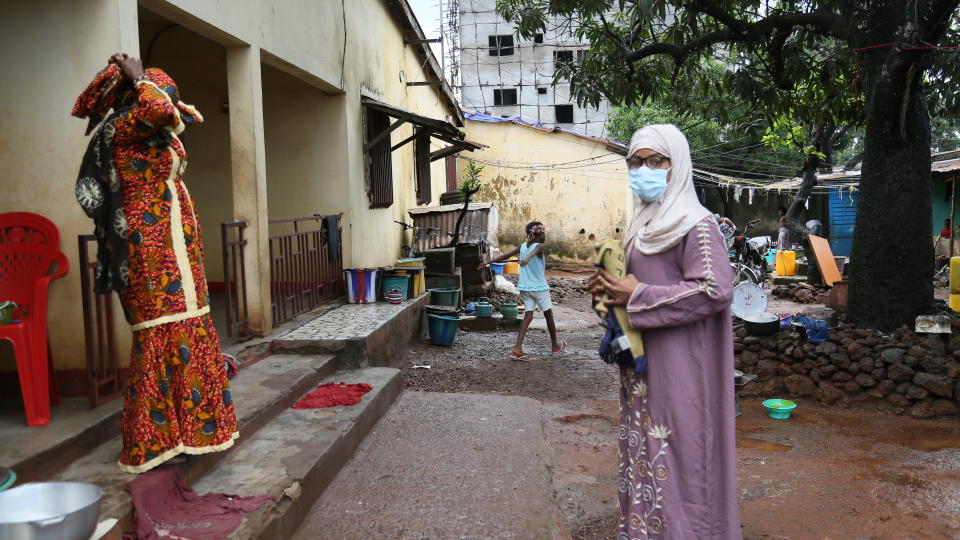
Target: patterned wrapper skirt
column 178, row 397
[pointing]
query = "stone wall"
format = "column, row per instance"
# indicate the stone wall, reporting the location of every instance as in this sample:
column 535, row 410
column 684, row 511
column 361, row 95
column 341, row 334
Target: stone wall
column 903, row 373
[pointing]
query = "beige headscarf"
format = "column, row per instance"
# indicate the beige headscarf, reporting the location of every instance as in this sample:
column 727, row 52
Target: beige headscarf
column 660, row 225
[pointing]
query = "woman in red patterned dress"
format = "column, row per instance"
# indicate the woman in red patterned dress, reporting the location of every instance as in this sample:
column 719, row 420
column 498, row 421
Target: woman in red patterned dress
column 150, row 252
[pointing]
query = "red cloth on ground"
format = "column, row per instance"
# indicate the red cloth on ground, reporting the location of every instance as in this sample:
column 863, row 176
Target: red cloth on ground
column 165, row 508
column 333, row 394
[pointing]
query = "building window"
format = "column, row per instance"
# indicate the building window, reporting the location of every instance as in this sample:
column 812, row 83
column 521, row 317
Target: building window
column 501, row 45
column 580, row 54
column 505, row 96
column 421, row 150
column 451, row 173
column 542, row 91
column 538, row 38
column 379, row 162
column 564, row 114
column 562, row 57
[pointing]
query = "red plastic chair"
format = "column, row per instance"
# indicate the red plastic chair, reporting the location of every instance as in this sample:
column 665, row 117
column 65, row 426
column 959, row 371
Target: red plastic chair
column 29, row 249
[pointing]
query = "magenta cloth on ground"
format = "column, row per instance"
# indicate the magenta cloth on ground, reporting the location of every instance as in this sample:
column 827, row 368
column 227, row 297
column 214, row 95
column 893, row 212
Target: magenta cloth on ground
column 332, row 395
column 165, row 508
column 677, row 434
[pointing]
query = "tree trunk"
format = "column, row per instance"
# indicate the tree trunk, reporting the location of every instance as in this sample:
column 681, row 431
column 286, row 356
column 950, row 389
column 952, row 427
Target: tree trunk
column 463, row 213
column 891, row 280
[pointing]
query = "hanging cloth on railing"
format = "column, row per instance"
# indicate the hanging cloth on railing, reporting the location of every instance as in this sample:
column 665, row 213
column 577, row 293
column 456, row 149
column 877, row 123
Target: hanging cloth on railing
column 331, row 226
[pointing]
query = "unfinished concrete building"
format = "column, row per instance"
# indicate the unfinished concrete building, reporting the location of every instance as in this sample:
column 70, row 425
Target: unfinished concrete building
column 503, row 75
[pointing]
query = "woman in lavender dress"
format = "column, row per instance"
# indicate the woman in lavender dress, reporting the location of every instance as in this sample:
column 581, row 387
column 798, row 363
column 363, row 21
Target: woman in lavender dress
column 677, row 439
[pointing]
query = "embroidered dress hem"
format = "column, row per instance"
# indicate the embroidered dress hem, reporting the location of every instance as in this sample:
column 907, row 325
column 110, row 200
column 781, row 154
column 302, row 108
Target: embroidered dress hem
column 174, row 452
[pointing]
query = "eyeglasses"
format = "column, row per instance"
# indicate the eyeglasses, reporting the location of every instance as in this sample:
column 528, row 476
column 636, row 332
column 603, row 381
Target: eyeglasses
column 654, row 161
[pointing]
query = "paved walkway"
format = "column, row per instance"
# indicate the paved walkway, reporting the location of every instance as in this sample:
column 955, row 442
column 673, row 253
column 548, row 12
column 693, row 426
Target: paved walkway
column 445, row 466
column 348, row 321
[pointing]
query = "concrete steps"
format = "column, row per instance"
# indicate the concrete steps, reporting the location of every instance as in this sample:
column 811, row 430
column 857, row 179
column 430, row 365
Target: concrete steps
column 289, row 454
column 261, row 392
column 297, row 455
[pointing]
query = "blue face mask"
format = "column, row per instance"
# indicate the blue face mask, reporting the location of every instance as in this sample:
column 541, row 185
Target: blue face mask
column 648, row 184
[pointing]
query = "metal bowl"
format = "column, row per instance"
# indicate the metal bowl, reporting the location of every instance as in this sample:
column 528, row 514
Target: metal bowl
column 49, row 511
column 761, row 324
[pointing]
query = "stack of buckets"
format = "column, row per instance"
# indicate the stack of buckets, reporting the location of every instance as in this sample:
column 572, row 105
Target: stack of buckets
column 443, row 328
column 417, row 268
column 362, row 285
column 395, row 288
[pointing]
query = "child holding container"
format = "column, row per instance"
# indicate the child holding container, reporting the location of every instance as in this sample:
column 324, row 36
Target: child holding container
column 533, row 288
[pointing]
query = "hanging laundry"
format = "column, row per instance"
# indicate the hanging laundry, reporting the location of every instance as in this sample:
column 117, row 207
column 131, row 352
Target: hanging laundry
column 736, row 193
column 750, row 196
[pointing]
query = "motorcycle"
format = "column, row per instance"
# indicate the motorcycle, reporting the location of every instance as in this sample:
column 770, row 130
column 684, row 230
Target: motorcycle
column 748, row 256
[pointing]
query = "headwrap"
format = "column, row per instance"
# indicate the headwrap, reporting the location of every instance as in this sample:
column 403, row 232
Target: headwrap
column 660, row 225
column 97, row 188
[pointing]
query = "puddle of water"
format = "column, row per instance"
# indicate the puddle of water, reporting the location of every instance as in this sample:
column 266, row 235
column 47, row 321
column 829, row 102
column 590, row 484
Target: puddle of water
column 898, row 479
column 747, row 442
column 927, row 443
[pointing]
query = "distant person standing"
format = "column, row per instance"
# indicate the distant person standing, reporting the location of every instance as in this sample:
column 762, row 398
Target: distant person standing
column 942, row 247
column 783, row 241
column 815, row 227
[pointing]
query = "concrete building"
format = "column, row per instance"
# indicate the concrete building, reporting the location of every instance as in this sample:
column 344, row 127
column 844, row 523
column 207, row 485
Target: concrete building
column 576, row 185
column 308, row 110
column 503, row 75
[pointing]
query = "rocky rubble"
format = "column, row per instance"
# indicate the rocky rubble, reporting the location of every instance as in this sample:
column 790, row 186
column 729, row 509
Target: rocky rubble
column 562, row 289
column 800, row 294
column 903, row 373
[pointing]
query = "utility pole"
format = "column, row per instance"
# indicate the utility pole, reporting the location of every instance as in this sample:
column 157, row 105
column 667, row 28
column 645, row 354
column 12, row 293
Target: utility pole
column 443, row 55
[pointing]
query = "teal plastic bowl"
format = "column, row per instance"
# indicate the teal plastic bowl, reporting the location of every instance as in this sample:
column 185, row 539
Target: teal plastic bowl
column 779, row 408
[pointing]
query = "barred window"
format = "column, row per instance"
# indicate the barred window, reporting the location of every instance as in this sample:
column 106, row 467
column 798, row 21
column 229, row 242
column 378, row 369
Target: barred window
column 500, row 45
column 421, row 150
column 379, row 162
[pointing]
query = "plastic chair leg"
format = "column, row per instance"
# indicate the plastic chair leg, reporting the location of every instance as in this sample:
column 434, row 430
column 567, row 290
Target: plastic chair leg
column 52, row 377
column 33, row 383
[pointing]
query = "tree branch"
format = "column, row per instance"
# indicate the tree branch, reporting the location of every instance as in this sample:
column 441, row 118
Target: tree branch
column 742, row 32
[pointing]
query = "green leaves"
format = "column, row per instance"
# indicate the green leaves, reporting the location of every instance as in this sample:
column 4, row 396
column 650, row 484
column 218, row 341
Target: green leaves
column 470, row 181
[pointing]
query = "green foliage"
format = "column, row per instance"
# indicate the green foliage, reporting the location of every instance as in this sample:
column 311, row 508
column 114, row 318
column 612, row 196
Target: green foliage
column 649, row 51
column 470, row 181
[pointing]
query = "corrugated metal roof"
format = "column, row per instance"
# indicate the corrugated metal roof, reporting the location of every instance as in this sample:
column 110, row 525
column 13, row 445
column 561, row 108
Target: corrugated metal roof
column 448, row 208
column 949, row 165
column 476, row 226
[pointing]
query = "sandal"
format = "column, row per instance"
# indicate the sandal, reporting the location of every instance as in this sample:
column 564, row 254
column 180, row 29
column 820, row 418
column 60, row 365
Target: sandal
column 563, row 347
column 519, row 357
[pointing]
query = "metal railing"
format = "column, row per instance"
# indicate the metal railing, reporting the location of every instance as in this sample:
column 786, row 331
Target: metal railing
column 103, row 371
column 235, row 277
column 304, row 269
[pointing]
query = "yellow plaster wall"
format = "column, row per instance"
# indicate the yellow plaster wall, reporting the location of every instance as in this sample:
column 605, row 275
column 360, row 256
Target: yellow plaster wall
column 305, row 134
column 198, row 67
column 50, row 51
column 584, row 194
column 375, row 60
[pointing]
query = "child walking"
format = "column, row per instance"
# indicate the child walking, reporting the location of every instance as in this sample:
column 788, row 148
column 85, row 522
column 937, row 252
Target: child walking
column 533, row 287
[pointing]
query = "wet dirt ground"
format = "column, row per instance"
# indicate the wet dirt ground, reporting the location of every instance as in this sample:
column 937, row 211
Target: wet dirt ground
column 824, row 473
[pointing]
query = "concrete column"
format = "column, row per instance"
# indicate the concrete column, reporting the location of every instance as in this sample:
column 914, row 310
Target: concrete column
column 129, row 27
column 249, row 172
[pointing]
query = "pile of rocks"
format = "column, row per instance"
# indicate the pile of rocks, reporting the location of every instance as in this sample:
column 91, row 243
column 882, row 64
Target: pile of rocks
column 563, row 289
column 800, row 294
column 904, row 373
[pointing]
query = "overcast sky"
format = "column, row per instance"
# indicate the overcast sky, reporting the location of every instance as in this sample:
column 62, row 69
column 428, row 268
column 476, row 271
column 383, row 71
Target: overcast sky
column 428, row 15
